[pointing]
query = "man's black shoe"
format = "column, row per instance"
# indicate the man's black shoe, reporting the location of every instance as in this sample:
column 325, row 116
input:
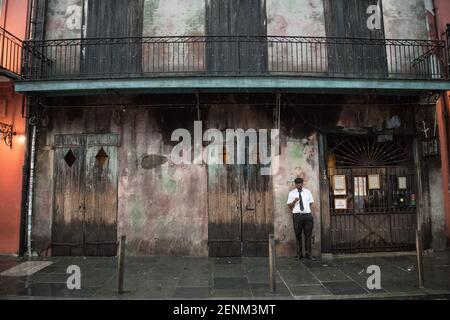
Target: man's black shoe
column 298, row 258
column 311, row 258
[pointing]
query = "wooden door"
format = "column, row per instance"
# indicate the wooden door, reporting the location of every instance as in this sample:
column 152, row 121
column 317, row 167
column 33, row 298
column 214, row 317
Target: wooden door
column 85, row 208
column 68, row 213
column 224, row 209
column 232, row 21
column 354, row 56
column 240, row 211
column 119, row 19
column 100, row 231
column 257, row 211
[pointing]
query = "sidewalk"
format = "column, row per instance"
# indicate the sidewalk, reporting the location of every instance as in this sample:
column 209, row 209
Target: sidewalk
column 221, row 278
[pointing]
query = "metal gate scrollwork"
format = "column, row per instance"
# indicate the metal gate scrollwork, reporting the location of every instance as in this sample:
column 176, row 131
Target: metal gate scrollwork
column 372, row 193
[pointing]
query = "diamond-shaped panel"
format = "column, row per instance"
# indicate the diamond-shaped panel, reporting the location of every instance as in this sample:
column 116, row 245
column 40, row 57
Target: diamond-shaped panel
column 70, row 158
column 101, row 157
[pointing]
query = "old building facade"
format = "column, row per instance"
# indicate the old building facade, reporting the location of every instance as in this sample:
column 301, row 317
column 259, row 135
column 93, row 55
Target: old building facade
column 347, row 87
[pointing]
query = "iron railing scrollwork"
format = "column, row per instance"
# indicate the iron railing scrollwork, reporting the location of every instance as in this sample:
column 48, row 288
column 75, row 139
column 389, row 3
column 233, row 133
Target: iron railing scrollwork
column 10, row 52
column 140, row 57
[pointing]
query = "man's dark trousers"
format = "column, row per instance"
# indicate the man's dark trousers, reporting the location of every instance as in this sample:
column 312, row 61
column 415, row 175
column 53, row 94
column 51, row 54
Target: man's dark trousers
column 303, row 223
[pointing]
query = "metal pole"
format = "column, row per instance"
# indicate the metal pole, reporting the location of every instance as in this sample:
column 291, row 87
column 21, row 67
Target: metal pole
column 30, row 190
column 121, row 264
column 272, row 263
column 419, row 258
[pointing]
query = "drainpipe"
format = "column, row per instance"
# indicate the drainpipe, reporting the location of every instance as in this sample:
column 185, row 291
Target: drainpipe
column 30, row 189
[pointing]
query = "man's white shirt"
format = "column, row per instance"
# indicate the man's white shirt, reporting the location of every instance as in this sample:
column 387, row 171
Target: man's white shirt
column 307, row 199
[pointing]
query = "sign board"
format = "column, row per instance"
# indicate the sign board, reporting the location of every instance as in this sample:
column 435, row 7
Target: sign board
column 430, row 147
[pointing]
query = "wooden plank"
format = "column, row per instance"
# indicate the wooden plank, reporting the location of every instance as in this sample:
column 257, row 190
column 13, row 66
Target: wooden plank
column 114, row 19
column 236, row 18
column 348, row 18
column 67, row 226
column 248, row 203
column 223, row 211
column 101, row 198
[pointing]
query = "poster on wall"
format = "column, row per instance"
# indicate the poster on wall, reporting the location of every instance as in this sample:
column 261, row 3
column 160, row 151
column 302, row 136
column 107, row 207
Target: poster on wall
column 402, row 183
column 340, row 204
column 374, row 181
column 360, row 184
column 340, row 187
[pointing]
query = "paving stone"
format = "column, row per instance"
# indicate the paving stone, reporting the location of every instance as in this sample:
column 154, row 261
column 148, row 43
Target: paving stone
column 231, row 293
column 204, row 280
column 231, row 283
column 344, row 287
column 232, row 270
column 172, row 277
column 192, row 292
column 328, row 274
column 309, row 290
column 55, row 290
column 260, row 290
column 261, row 276
column 231, row 260
column 298, row 277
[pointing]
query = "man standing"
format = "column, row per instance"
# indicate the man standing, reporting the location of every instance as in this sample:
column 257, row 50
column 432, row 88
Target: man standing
column 300, row 201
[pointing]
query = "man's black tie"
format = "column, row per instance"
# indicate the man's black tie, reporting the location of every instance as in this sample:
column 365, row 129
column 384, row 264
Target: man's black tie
column 300, row 199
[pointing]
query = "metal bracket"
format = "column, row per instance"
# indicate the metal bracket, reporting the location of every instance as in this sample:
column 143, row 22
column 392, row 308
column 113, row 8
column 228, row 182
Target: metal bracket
column 6, row 133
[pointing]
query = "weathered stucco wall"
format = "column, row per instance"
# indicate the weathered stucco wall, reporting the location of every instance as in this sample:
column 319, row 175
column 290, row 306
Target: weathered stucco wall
column 405, row 19
column 161, row 206
column 64, row 19
column 173, row 18
column 299, row 158
column 438, row 237
column 296, row 18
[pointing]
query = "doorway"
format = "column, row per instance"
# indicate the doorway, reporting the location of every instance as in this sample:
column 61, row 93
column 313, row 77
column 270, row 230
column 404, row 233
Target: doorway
column 240, row 211
column 372, row 193
column 85, row 195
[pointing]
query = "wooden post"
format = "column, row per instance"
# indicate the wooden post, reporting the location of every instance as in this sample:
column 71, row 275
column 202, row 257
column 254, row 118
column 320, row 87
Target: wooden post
column 121, row 264
column 419, row 250
column 272, row 262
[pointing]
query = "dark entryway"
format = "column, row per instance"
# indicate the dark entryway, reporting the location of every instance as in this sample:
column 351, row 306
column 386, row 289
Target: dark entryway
column 85, row 195
column 372, row 193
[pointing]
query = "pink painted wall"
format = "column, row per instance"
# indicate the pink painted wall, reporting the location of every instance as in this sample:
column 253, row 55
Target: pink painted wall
column 443, row 13
column 12, row 18
column 11, row 160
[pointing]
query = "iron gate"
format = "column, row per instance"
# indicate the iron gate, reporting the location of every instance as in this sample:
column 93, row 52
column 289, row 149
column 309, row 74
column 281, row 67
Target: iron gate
column 372, row 195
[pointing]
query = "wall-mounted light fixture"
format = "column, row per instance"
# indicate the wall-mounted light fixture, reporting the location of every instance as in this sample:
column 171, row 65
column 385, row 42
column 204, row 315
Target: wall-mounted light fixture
column 6, row 133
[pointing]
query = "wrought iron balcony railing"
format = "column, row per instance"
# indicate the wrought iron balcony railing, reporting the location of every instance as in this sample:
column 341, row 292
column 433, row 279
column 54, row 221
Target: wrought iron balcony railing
column 10, row 54
column 144, row 57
